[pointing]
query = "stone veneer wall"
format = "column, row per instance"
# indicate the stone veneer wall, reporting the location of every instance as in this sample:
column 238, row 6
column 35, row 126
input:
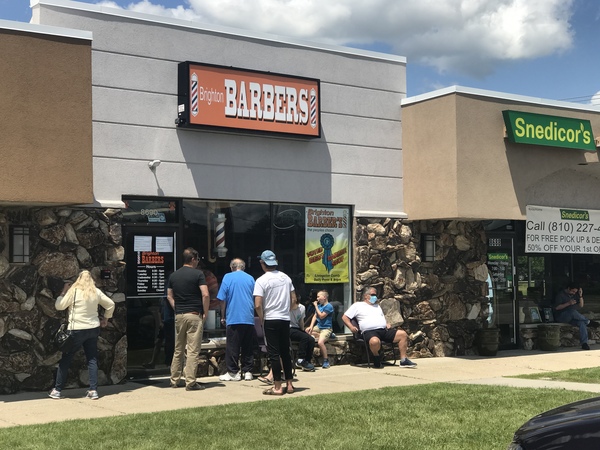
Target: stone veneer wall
column 444, row 299
column 62, row 242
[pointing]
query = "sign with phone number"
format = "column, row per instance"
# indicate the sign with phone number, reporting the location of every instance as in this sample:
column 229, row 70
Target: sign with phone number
column 562, row 230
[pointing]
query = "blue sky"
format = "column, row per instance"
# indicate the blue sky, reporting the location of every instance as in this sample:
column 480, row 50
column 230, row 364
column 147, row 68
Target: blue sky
column 539, row 48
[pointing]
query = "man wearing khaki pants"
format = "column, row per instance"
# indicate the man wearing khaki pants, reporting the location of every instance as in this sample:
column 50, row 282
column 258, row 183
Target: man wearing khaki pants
column 188, row 295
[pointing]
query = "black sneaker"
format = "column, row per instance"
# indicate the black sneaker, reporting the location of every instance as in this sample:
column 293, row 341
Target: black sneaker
column 594, row 324
column 307, row 367
column 585, row 346
column 377, row 362
column 407, row 363
column 194, row 387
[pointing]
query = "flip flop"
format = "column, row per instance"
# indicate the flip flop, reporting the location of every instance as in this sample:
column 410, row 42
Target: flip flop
column 271, row 391
column 288, row 391
column 265, row 380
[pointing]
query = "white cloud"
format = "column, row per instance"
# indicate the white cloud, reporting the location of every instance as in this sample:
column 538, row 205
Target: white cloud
column 469, row 37
column 595, row 100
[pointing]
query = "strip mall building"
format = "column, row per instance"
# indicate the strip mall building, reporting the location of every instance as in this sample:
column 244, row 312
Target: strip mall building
column 148, row 135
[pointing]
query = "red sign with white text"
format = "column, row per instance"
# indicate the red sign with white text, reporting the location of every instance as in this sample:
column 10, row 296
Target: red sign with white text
column 234, row 98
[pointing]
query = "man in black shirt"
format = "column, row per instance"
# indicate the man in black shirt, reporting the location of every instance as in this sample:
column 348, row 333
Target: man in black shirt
column 188, row 295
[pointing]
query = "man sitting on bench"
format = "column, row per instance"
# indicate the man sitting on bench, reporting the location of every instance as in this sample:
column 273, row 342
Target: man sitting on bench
column 565, row 305
column 374, row 327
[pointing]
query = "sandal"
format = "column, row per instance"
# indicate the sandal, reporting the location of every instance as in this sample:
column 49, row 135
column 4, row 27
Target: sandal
column 288, row 391
column 271, row 391
column 265, row 380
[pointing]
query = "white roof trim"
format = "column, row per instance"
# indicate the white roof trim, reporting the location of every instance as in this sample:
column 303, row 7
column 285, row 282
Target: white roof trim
column 45, row 29
column 499, row 96
column 383, row 214
column 219, row 29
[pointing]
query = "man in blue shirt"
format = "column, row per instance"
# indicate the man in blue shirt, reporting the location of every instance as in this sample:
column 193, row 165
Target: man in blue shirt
column 237, row 311
column 324, row 324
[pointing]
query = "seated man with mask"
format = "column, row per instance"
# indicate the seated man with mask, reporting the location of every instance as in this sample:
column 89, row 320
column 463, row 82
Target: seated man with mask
column 374, row 327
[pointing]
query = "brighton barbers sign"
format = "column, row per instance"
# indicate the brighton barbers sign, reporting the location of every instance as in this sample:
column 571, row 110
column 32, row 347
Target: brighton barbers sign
column 225, row 97
column 539, row 129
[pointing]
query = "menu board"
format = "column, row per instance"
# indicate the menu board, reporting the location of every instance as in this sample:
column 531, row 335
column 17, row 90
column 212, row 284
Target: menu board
column 150, row 260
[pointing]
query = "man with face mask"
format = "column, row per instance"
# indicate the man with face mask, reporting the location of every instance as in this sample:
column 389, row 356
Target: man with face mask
column 375, row 329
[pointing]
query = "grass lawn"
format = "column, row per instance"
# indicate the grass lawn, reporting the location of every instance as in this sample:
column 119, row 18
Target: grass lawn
column 429, row 417
column 590, row 375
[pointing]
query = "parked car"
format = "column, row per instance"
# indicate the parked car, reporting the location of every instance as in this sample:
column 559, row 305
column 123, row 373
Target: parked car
column 575, row 426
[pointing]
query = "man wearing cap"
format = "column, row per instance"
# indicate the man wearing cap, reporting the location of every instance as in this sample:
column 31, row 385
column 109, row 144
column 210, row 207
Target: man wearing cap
column 375, row 328
column 273, row 293
column 188, row 296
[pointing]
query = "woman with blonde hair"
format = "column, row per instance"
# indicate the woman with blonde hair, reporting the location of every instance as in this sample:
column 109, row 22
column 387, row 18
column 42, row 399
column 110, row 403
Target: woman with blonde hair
column 82, row 299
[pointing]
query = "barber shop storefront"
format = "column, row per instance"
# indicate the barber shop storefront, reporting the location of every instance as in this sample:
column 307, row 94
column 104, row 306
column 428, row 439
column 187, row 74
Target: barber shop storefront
column 233, row 144
column 312, row 243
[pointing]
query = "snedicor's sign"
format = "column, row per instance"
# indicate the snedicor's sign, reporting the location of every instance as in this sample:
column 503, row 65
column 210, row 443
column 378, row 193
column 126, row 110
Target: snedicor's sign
column 225, row 97
column 539, row 129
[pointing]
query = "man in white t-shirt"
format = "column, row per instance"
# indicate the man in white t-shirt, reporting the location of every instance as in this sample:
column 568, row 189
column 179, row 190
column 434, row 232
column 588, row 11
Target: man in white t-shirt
column 273, row 293
column 374, row 327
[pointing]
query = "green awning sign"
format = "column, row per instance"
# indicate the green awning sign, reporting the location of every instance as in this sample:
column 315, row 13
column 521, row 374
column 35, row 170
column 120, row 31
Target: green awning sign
column 539, row 129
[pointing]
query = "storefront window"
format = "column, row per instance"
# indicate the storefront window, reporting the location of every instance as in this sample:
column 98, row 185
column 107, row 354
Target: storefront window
column 250, row 228
column 586, row 272
column 531, row 289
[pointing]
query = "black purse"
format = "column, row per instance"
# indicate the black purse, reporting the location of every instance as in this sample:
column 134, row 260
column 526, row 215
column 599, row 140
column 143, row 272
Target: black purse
column 64, row 338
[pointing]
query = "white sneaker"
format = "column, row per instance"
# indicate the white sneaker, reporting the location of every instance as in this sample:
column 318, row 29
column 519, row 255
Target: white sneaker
column 92, row 395
column 55, row 394
column 230, row 377
column 248, row 376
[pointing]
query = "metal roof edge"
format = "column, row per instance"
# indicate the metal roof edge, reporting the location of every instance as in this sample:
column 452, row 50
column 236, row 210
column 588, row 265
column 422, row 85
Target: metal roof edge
column 45, row 29
column 163, row 20
column 497, row 95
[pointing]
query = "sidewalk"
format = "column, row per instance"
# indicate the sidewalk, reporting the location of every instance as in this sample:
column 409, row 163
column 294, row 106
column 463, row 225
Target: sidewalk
column 145, row 396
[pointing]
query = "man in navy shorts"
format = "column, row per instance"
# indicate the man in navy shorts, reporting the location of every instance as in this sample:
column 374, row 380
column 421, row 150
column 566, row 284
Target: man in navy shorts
column 375, row 329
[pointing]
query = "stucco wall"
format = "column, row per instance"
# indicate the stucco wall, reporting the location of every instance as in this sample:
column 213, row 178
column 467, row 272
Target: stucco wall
column 458, row 163
column 46, row 119
column 135, row 105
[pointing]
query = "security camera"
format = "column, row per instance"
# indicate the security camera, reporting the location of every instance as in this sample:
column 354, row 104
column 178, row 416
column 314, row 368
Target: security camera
column 154, row 164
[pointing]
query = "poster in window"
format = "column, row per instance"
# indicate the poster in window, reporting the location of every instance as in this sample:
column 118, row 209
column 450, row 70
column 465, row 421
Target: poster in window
column 326, row 250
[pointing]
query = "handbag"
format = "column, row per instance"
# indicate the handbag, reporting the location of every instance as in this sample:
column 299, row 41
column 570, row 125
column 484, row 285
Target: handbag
column 64, row 338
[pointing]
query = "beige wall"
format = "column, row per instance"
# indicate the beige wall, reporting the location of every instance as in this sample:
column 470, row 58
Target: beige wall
column 45, row 119
column 459, row 165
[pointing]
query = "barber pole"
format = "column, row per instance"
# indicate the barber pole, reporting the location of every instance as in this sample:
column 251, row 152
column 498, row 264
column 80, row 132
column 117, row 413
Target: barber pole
column 313, row 108
column 220, row 236
column 194, row 93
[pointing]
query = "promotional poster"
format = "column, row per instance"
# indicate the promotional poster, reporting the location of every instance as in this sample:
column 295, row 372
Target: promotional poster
column 326, row 246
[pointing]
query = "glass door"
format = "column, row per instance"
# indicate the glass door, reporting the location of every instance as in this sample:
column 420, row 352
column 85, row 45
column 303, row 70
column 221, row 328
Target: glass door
column 150, row 256
column 502, row 293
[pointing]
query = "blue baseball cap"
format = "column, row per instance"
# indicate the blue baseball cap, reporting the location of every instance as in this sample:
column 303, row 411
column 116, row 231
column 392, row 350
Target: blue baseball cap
column 269, row 258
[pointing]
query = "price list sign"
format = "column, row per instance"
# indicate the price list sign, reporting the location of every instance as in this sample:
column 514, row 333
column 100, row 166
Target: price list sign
column 562, row 230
